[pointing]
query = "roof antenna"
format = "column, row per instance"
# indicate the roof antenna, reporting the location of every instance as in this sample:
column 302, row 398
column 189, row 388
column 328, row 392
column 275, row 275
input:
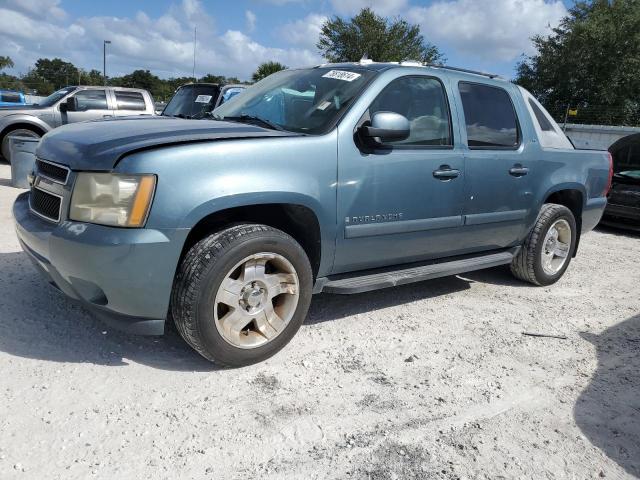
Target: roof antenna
column 365, row 56
column 365, row 59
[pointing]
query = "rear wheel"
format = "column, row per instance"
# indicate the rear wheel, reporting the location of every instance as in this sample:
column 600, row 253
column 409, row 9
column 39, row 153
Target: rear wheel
column 241, row 294
column 17, row 132
column 548, row 249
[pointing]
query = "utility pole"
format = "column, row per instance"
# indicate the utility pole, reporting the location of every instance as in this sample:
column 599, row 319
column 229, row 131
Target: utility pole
column 104, row 60
column 195, row 31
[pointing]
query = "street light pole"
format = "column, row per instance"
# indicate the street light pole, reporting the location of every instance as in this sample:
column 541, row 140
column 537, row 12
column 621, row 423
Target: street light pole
column 104, row 60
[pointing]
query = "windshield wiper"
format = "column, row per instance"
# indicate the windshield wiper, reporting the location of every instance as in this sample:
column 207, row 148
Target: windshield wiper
column 252, row 119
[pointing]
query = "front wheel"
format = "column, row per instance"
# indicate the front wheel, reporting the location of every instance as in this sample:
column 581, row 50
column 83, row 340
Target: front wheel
column 548, row 249
column 241, row 294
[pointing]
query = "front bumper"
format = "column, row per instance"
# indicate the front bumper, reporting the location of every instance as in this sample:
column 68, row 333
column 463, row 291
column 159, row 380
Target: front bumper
column 124, row 276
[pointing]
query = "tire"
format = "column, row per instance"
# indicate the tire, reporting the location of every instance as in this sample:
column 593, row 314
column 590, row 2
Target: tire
column 209, row 317
column 532, row 262
column 19, row 131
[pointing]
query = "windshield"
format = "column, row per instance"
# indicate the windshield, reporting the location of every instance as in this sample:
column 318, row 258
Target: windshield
column 55, row 96
column 305, row 101
column 192, row 101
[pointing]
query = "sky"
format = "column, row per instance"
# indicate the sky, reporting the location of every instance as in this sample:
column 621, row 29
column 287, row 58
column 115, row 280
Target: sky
column 233, row 37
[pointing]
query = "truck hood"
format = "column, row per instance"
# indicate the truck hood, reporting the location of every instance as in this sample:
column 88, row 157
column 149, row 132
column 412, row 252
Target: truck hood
column 99, row 145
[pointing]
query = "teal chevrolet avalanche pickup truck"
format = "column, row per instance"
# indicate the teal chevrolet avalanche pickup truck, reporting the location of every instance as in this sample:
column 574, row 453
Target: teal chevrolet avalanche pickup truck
column 342, row 178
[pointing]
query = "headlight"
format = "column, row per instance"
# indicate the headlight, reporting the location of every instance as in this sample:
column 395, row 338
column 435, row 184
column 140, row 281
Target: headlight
column 112, row 199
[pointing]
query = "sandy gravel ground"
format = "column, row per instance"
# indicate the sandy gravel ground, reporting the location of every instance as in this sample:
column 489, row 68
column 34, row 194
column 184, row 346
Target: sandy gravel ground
column 432, row 380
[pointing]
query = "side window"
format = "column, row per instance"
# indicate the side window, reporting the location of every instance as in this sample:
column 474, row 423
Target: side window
column 489, row 116
column 10, row 97
column 229, row 93
column 543, row 121
column 422, row 100
column 91, row 100
column 130, row 101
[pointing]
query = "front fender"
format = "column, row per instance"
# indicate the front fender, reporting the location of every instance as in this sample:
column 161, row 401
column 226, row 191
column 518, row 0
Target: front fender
column 23, row 118
column 198, row 179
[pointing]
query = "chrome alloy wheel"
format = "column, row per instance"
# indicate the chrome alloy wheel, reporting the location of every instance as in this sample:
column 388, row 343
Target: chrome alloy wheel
column 256, row 300
column 555, row 247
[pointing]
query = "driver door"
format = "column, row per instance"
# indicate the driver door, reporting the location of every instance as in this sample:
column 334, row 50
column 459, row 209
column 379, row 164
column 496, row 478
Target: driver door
column 402, row 201
column 91, row 104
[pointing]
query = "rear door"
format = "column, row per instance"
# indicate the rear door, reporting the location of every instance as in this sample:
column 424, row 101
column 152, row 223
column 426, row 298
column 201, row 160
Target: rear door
column 128, row 103
column 498, row 196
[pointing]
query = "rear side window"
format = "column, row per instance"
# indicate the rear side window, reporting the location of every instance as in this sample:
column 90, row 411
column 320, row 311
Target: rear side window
column 543, row 121
column 489, row 115
column 10, row 97
column 130, row 101
column 91, row 100
column 422, row 100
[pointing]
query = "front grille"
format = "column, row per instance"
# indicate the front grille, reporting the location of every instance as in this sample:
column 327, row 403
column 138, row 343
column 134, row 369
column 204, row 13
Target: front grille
column 45, row 204
column 54, row 172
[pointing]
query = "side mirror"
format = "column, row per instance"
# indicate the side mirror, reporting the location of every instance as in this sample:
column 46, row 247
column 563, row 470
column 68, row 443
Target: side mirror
column 386, row 127
column 70, row 105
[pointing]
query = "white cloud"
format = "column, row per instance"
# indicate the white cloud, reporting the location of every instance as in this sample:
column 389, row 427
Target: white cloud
column 492, row 29
column 251, row 18
column 239, row 48
column 39, row 9
column 163, row 44
column 304, row 32
column 382, row 7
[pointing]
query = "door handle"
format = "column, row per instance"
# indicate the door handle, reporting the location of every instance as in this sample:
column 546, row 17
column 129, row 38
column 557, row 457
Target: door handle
column 445, row 172
column 107, row 116
column 518, row 170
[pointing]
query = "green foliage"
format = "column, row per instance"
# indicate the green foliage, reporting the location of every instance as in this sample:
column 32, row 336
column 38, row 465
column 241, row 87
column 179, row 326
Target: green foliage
column 267, row 68
column 92, row 77
column 48, row 75
column 56, row 72
column 5, row 62
column 381, row 39
column 591, row 62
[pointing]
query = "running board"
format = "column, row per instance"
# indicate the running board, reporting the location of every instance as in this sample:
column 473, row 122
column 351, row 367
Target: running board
column 385, row 277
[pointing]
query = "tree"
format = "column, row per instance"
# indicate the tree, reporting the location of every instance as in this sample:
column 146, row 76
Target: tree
column 589, row 62
column 265, row 69
column 381, row 39
column 92, row 77
column 141, row 79
column 5, row 62
column 37, row 84
column 56, row 72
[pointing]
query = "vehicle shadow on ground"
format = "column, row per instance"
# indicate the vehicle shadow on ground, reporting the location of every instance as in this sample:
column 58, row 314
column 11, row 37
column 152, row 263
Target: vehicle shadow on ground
column 608, row 410
column 38, row 322
column 326, row 307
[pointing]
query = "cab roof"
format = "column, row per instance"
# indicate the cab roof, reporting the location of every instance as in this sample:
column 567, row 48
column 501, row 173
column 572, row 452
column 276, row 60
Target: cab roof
column 383, row 66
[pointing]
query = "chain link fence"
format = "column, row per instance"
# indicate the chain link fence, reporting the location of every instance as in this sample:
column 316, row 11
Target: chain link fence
column 628, row 115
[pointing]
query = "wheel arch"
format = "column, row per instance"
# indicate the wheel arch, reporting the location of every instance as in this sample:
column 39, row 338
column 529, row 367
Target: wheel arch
column 573, row 197
column 41, row 127
column 294, row 218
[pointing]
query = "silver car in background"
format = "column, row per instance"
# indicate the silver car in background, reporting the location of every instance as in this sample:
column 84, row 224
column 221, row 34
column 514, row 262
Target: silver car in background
column 70, row 105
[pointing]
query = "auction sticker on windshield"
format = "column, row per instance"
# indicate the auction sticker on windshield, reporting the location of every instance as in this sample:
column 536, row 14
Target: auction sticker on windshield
column 203, row 98
column 342, row 75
